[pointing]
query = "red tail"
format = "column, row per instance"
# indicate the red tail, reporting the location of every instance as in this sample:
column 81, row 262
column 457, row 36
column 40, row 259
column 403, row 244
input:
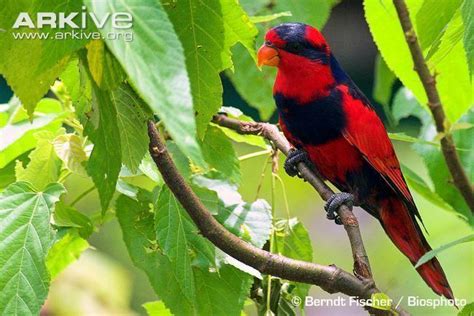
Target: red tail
column 406, row 234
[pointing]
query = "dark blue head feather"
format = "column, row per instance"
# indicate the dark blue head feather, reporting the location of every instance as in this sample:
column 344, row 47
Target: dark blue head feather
column 291, row 32
column 294, row 34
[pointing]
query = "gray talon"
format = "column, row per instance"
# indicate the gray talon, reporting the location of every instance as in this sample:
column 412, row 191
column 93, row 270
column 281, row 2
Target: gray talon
column 295, row 156
column 333, row 203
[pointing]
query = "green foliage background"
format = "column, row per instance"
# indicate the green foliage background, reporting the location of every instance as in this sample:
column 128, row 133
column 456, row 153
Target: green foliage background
column 74, row 167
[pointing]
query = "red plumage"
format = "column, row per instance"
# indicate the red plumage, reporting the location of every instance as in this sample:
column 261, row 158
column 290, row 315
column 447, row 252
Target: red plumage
column 323, row 112
column 367, row 133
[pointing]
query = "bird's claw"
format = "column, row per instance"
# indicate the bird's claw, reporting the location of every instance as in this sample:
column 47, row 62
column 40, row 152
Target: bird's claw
column 295, row 156
column 333, row 203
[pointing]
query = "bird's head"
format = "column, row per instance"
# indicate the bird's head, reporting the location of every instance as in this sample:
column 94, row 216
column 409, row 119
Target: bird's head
column 292, row 45
column 303, row 59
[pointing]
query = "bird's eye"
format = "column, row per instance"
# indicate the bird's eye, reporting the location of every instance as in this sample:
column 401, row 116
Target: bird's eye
column 294, row 47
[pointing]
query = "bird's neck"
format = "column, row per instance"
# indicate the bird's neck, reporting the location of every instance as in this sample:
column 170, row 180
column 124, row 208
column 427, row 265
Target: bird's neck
column 304, row 81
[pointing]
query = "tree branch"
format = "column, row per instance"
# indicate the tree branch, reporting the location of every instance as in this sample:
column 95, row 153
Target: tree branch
column 460, row 179
column 351, row 225
column 330, row 278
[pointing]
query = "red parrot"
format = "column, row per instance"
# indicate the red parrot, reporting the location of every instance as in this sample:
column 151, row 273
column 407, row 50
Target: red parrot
column 333, row 126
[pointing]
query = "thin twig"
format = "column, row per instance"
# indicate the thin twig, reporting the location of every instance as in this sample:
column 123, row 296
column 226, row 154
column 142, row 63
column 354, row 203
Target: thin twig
column 82, row 195
column 285, row 199
column 351, row 225
column 262, row 177
column 460, row 179
column 255, row 154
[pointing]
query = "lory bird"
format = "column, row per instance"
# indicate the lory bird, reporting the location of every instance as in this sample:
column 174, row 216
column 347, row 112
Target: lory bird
column 333, row 126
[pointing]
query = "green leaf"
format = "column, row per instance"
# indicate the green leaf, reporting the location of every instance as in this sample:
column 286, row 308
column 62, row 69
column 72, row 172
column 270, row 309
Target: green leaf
column 405, row 138
column 409, row 139
column 384, row 80
column 208, row 197
column 333, row 3
column 95, row 60
column 468, row 38
column 137, row 223
column 448, row 38
column 253, row 85
column 428, row 148
column 421, row 187
column 177, row 235
column 132, row 116
column 224, row 258
column 46, row 58
column 438, row 170
column 220, row 154
column 65, row 251
column 44, row 165
column 25, row 237
column 405, row 105
column 433, row 253
column 69, row 148
column 156, row 308
column 17, row 134
column 220, row 293
column 214, row 27
column 68, row 216
column 449, row 62
column 461, row 125
column 390, row 40
column 281, row 299
column 7, row 175
column 104, row 68
column 180, row 160
column 157, row 72
column 292, row 240
column 469, row 308
column 127, row 189
column 433, row 18
column 250, row 221
column 78, row 86
column 269, row 17
column 253, row 7
column 105, row 160
column 148, row 167
column 313, row 12
column 130, row 184
column 381, row 301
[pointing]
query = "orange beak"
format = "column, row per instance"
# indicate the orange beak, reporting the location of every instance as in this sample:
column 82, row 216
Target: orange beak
column 268, row 56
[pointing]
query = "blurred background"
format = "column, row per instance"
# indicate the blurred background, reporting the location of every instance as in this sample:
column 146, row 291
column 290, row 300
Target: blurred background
column 104, row 281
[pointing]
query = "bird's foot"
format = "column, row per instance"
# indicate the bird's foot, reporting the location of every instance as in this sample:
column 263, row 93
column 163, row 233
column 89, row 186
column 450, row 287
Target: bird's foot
column 333, row 203
column 295, row 156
